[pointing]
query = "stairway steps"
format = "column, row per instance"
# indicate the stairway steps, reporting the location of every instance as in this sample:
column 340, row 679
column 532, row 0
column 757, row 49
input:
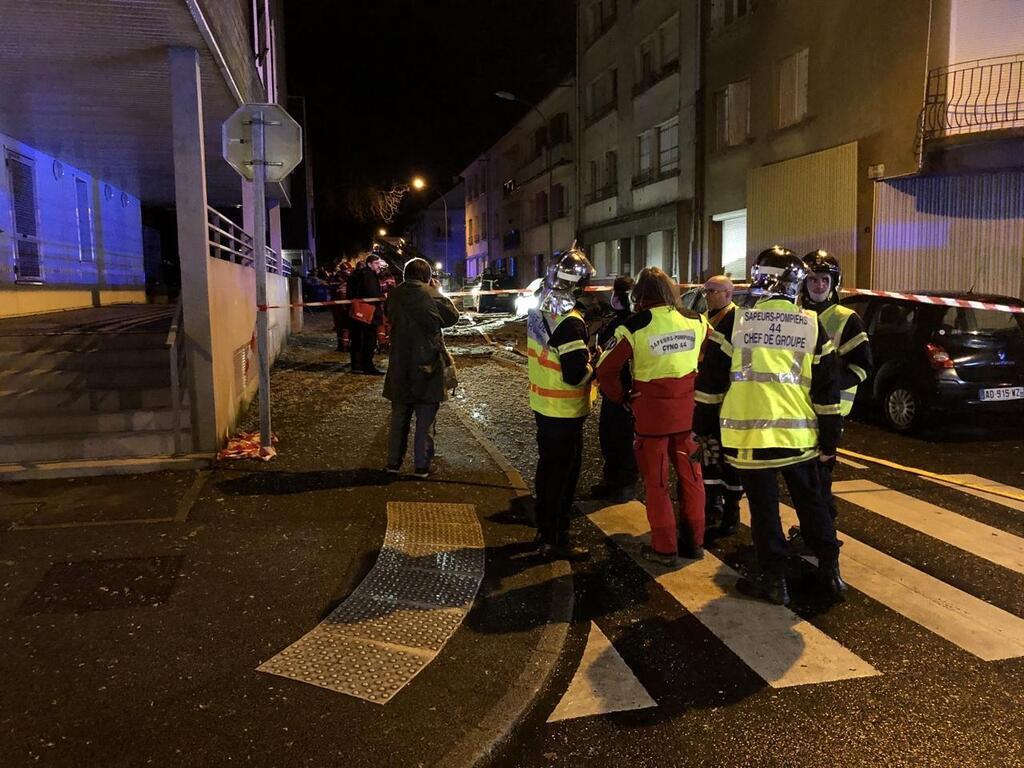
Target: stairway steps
column 47, row 401
column 81, row 342
column 93, row 423
column 23, row 450
column 95, row 380
column 79, row 360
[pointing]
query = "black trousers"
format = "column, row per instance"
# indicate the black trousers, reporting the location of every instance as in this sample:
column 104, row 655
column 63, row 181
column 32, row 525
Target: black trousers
column 615, row 428
column 559, row 459
column 362, row 344
column 825, row 469
column 816, row 525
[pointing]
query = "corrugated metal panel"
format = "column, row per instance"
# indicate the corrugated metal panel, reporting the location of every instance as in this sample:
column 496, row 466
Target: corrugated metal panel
column 806, row 203
column 950, row 233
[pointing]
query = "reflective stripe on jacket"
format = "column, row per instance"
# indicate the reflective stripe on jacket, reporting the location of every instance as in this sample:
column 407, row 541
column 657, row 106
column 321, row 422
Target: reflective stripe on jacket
column 768, row 403
column 549, row 394
column 834, row 321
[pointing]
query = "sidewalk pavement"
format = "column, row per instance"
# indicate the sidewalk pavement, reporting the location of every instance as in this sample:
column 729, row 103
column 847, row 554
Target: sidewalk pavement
column 135, row 610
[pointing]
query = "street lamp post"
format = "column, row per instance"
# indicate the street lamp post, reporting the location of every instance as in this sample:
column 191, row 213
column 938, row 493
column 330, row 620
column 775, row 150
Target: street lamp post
column 547, row 159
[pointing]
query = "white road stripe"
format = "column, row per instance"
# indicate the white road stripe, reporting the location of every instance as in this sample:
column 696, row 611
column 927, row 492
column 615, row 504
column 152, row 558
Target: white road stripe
column 979, row 539
column 978, row 627
column 777, row 644
column 976, row 480
column 603, row 683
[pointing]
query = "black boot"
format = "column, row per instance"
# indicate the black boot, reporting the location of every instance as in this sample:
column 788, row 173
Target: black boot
column 730, row 519
column 770, row 587
column 831, row 580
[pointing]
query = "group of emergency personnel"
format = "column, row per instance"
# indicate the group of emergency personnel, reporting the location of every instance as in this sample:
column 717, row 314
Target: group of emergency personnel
column 729, row 399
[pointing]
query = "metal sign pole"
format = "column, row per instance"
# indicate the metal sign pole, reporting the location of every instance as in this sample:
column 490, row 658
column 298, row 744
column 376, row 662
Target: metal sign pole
column 259, row 240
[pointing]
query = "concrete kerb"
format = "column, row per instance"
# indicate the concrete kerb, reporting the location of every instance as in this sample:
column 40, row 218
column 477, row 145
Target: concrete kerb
column 498, row 723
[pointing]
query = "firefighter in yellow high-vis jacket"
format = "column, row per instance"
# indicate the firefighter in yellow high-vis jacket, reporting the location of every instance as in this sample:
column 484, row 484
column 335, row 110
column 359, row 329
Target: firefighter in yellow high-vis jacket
column 768, row 396
column 561, row 397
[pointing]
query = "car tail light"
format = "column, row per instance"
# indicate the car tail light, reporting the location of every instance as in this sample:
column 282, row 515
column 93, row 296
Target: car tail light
column 938, row 357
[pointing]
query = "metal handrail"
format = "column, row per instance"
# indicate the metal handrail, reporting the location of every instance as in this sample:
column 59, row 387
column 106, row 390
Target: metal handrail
column 974, row 96
column 175, row 351
column 230, row 242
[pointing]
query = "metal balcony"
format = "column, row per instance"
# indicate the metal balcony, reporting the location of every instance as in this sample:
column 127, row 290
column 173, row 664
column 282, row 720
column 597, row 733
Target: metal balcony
column 974, row 97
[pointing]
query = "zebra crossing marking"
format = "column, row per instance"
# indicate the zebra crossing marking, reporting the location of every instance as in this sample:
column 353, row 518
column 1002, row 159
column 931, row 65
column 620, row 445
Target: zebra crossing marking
column 978, row 539
column 783, row 649
column 968, row 622
column 981, row 481
column 603, row 683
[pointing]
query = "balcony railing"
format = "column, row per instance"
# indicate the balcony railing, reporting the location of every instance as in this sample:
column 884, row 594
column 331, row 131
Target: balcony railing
column 974, row 96
column 655, row 77
column 609, row 190
column 230, row 242
column 599, row 112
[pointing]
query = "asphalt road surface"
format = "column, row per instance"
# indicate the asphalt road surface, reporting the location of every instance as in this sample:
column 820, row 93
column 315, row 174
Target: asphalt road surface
column 921, row 666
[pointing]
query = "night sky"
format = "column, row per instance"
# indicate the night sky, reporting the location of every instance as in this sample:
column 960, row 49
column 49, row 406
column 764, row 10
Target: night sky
column 402, row 87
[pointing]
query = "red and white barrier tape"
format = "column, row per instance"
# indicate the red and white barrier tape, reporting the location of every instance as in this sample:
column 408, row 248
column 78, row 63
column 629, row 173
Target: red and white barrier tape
column 919, row 297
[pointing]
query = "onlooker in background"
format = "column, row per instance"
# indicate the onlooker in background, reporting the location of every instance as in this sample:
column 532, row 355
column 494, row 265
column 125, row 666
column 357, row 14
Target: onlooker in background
column 339, row 291
column 415, row 376
column 615, row 426
column 365, row 316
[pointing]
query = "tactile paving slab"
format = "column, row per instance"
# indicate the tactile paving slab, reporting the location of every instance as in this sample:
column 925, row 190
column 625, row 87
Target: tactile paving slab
column 401, row 615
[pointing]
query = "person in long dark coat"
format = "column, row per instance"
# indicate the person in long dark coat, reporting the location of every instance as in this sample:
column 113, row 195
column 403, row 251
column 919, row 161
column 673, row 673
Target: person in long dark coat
column 364, row 283
column 415, row 377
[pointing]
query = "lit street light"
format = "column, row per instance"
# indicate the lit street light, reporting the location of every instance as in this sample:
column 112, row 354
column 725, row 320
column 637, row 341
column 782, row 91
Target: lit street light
column 382, row 232
column 419, row 183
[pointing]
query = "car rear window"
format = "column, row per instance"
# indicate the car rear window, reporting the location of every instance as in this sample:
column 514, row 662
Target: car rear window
column 984, row 321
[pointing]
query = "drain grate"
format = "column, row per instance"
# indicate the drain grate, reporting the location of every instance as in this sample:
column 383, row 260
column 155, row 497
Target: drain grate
column 102, row 585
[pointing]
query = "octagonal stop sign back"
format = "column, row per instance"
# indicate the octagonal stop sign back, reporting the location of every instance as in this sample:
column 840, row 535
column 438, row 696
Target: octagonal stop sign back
column 282, row 140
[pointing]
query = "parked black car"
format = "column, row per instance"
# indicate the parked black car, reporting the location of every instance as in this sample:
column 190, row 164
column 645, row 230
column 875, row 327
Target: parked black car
column 932, row 359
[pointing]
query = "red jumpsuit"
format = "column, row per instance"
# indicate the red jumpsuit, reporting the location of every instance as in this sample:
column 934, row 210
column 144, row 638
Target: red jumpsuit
column 662, row 345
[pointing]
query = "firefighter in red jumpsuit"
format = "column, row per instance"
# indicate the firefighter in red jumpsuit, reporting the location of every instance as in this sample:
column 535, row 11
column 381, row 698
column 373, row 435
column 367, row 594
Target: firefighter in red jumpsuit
column 661, row 343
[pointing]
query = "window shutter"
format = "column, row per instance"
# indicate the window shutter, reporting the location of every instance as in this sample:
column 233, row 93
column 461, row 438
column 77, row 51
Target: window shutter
column 738, row 116
column 23, row 190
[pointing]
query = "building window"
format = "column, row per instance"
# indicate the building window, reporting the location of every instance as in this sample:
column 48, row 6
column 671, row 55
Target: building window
column 557, row 201
column 469, row 231
column 540, row 208
column 540, row 141
column 600, row 19
column 592, row 180
column 732, row 114
column 483, row 227
column 668, row 146
column 645, row 60
column 644, row 153
column 611, row 169
column 668, row 42
column 725, row 12
column 84, row 215
column 792, row 88
column 560, row 129
column 264, row 45
column 602, row 94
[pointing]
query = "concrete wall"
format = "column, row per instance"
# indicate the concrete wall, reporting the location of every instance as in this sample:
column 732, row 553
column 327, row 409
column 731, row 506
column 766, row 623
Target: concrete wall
column 113, row 273
column 233, row 307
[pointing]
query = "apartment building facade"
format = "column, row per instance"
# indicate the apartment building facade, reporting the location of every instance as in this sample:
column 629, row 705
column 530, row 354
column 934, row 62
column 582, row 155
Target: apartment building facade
column 887, row 133
column 521, row 196
column 637, row 106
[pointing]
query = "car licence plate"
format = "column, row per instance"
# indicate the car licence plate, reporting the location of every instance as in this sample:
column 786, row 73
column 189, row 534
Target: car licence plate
column 1003, row 393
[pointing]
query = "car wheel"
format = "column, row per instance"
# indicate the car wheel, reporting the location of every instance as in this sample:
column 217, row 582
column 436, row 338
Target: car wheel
column 901, row 407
